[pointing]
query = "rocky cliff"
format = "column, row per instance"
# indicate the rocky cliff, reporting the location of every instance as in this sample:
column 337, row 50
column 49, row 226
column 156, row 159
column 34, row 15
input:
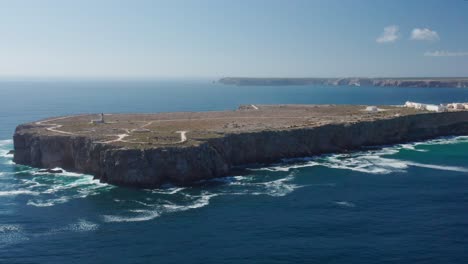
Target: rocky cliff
column 183, row 165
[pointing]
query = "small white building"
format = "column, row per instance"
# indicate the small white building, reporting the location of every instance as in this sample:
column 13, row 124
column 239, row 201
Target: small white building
column 456, row 106
column 414, row 105
column 372, row 109
column 427, row 107
column 436, row 108
column 419, row 106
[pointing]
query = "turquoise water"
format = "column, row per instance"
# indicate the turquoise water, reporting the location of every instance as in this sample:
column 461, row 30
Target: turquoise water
column 405, row 203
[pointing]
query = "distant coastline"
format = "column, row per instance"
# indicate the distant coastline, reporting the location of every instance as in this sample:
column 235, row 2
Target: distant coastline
column 443, row 82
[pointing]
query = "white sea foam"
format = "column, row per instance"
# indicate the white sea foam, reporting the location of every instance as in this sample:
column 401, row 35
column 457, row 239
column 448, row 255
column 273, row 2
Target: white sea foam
column 59, row 188
column 345, row 204
column 286, row 168
column 11, row 234
column 17, row 192
column 9, row 228
column 250, row 185
column 5, row 147
column 47, row 202
column 444, row 141
column 6, row 142
column 82, row 226
column 171, row 190
column 280, row 187
column 152, row 211
column 84, row 184
column 372, row 164
column 142, row 203
column 8, row 162
column 40, row 203
column 202, row 201
column 141, row 215
column 5, row 154
column 438, row 167
column 371, row 161
column 63, row 173
column 379, row 165
column 411, row 147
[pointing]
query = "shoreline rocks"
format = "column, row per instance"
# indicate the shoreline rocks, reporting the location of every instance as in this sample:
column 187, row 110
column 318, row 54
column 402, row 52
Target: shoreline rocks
column 51, row 170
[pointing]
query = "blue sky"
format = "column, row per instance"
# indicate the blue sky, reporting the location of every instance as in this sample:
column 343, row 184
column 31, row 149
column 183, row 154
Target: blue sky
column 215, row 38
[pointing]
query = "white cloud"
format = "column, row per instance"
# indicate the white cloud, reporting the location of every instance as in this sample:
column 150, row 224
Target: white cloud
column 444, row 53
column 424, row 34
column 389, row 35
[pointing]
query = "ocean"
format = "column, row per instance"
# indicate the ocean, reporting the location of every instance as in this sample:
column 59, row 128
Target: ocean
column 403, row 203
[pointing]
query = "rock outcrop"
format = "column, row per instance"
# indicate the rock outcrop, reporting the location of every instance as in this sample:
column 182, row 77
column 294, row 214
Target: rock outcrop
column 215, row 157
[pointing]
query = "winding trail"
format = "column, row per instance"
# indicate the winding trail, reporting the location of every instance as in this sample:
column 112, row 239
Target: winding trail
column 120, row 137
column 54, row 127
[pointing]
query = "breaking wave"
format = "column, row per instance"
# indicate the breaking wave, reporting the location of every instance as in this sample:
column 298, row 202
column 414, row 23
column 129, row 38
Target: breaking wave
column 5, row 147
column 172, row 199
column 438, row 167
column 5, row 143
column 140, row 215
column 154, row 210
column 443, row 141
column 371, row 161
column 17, row 192
column 43, row 189
column 60, row 188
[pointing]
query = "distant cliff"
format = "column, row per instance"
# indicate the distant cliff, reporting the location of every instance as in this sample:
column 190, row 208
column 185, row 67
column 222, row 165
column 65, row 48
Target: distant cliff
column 398, row 82
column 215, row 157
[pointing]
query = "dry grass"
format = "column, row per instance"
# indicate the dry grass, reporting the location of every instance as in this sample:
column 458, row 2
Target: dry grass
column 158, row 130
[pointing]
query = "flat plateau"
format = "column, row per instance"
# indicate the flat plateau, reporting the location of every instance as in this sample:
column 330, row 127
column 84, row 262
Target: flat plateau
column 192, row 128
column 148, row 150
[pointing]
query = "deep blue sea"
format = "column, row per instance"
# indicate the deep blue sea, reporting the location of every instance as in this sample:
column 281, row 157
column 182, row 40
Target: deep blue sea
column 395, row 204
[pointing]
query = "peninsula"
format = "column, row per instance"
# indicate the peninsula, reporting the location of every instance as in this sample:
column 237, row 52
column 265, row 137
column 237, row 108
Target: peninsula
column 149, row 150
column 397, row 82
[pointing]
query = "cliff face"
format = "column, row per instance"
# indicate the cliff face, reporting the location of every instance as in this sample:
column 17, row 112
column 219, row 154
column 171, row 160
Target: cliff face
column 215, row 157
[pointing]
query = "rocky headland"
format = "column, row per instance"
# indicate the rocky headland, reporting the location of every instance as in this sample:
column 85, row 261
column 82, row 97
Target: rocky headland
column 149, row 150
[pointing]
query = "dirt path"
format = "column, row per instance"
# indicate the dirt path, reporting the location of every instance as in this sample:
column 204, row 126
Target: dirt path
column 54, row 127
column 183, row 136
column 120, row 137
